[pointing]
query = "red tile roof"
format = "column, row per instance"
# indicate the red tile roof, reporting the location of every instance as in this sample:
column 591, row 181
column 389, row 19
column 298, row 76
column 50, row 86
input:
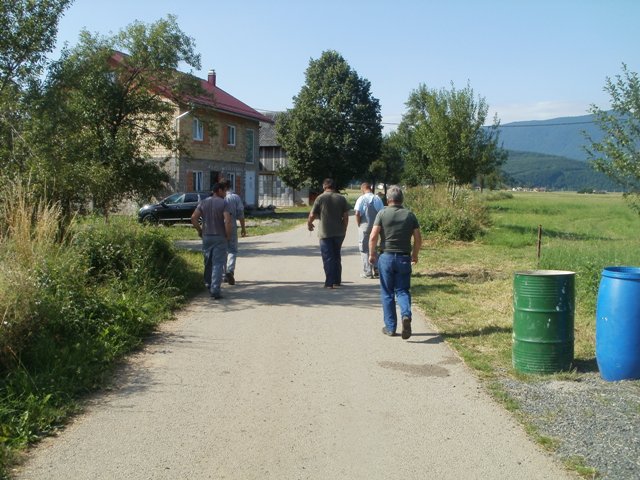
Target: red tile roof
column 224, row 102
column 221, row 101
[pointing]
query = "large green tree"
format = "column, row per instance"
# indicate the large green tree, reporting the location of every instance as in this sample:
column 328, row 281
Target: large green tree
column 618, row 153
column 101, row 113
column 334, row 128
column 444, row 137
column 28, row 30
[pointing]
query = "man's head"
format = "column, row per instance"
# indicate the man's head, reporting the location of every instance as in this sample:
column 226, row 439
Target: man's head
column 365, row 187
column 395, row 195
column 218, row 189
column 328, row 184
column 226, row 185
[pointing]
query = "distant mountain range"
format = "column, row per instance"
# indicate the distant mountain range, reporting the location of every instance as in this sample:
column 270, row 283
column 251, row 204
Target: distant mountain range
column 550, row 154
column 559, row 136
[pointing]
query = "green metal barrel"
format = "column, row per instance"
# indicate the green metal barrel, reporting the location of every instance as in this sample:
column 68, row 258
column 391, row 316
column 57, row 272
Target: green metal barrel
column 543, row 315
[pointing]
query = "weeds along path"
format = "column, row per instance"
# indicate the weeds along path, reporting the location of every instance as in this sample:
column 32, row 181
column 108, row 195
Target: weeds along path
column 285, row 379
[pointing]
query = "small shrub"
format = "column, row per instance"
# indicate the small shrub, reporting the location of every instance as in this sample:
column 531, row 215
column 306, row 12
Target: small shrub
column 461, row 218
column 497, row 195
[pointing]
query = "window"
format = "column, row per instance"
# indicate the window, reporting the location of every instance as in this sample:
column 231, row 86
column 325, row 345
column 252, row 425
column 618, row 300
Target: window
column 198, row 178
column 250, row 147
column 231, row 178
column 198, row 130
column 231, row 135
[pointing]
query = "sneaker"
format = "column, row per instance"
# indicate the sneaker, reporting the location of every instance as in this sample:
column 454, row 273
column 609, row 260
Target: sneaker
column 406, row 327
column 230, row 279
column 387, row 332
column 216, row 295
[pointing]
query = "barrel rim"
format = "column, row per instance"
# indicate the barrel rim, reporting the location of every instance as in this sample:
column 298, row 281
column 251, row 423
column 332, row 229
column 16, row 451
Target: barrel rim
column 542, row 273
column 626, row 272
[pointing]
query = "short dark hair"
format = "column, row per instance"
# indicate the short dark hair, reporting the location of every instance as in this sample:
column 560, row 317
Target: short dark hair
column 217, row 186
column 329, row 183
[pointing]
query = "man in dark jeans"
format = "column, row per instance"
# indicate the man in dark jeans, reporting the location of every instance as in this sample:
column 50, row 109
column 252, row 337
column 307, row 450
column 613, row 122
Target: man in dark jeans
column 215, row 233
column 396, row 226
column 332, row 210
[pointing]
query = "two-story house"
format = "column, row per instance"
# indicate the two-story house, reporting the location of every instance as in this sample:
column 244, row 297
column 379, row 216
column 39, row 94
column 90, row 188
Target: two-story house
column 221, row 135
column 271, row 188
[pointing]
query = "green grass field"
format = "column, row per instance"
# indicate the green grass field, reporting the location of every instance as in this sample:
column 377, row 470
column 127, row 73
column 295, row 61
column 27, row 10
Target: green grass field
column 465, row 289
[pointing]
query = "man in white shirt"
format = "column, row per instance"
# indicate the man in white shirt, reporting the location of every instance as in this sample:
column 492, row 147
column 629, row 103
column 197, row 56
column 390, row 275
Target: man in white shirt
column 236, row 208
column 367, row 207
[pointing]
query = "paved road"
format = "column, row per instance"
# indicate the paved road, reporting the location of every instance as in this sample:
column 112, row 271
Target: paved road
column 283, row 379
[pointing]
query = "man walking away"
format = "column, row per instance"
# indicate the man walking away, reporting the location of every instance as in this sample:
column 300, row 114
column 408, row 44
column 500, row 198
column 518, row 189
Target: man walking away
column 395, row 225
column 367, row 207
column 215, row 233
column 236, row 209
column 332, row 210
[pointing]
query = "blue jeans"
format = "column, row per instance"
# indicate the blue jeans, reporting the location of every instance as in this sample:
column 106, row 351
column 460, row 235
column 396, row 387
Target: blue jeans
column 214, row 248
column 232, row 251
column 332, row 260
column 395, row 282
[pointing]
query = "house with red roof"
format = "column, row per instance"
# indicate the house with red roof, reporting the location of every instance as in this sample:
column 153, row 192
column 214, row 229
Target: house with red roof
column 221, row 134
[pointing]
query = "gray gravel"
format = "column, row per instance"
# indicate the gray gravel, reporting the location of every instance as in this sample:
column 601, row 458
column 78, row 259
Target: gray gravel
column 589, row 418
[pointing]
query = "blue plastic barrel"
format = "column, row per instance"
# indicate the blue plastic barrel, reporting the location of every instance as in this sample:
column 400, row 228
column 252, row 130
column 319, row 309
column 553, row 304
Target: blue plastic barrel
column 618, row 324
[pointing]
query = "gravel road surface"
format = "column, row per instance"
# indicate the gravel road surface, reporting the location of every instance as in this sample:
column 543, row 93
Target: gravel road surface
column 283, row 379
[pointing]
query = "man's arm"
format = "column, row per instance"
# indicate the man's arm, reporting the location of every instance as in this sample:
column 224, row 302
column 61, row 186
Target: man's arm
column 310, row 220
column 373, row 243
column 356, row 208
column 195, row 217
column 417, row 243
column 240, row 216
column 345, row 220
column 227, row 224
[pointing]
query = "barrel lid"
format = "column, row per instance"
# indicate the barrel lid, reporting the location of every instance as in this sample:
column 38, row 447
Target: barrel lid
column 539, row 273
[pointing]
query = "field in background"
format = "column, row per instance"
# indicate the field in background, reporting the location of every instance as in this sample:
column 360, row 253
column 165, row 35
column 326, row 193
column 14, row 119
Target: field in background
column 465, row 289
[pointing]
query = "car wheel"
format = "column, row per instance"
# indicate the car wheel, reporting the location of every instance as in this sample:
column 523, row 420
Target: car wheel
column 149, row 219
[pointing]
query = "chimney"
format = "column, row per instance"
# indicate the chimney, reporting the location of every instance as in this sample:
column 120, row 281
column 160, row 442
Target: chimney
column 212, row 77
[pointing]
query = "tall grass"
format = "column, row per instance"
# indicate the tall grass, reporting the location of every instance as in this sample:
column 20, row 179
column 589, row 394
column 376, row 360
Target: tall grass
column 72, row 306
column 29, row 234
column 466, row 288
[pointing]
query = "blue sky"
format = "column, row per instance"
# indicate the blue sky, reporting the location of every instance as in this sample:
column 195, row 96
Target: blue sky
column 530, row 60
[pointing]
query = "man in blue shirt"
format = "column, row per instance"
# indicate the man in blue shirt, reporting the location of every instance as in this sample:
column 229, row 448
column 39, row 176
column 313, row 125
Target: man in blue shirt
column 236, row 209
column 366, row 208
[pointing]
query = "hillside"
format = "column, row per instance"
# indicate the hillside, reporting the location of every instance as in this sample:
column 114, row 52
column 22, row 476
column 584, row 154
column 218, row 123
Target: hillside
column 561, row 137
column 530, row 169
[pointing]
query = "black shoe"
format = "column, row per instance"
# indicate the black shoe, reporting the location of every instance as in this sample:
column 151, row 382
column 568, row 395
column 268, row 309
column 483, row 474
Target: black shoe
column 216, row 296
column 406, row 328
column 230, row 279
column 387, row 332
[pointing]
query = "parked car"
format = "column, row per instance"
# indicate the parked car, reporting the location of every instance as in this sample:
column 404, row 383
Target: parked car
column 175, row 208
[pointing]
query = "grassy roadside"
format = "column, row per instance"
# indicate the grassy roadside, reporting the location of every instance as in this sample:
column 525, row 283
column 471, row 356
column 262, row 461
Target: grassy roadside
column 465, row 289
